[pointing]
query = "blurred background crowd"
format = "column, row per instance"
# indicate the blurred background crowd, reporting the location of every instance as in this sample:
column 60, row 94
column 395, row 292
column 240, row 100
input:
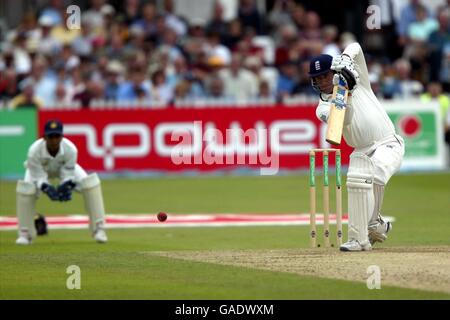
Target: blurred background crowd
column 163, row 53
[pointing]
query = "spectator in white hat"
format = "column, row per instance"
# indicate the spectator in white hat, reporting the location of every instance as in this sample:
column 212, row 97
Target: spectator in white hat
column 47, row 44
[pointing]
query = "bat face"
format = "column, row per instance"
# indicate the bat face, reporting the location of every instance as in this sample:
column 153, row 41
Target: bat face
column 337, row 112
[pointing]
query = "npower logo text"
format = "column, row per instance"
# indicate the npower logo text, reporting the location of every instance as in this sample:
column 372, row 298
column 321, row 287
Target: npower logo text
column 285, row 137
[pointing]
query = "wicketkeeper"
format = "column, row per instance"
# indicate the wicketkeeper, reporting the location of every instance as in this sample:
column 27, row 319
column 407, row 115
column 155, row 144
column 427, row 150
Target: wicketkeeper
column 378, row 150
column 55, row 157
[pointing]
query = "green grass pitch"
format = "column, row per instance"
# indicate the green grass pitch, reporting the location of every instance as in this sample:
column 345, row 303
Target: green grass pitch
column 124, row 268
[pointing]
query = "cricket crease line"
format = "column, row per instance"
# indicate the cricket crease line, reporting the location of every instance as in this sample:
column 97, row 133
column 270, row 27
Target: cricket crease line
column 180, row 220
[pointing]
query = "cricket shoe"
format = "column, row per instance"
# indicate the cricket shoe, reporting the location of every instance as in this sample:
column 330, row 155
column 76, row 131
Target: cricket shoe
column 355, row 245
column 378, row 230
column 100, row 236
column 24, row 239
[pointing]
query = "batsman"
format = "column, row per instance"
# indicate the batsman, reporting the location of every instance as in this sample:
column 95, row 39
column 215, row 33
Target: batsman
column 365, row 126
column 55, row 157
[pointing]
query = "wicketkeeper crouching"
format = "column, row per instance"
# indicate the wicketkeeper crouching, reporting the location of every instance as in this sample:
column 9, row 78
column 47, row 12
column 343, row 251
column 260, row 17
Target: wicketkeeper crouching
column 55, row 157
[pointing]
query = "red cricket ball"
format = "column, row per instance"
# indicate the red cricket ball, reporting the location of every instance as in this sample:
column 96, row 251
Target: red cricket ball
column 162, row 216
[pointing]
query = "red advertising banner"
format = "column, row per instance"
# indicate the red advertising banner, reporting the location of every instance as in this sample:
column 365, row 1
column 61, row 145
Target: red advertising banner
column 176, row 140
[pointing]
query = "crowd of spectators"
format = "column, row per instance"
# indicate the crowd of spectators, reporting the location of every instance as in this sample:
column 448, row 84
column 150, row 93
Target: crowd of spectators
column 137, row 53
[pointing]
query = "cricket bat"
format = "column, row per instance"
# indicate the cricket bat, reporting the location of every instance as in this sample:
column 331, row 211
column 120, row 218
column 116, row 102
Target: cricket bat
column 337, row 112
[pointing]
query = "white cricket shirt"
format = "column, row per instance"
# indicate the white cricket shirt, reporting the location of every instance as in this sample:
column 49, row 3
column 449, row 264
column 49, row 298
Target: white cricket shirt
column 42, row 166
column 366, row 121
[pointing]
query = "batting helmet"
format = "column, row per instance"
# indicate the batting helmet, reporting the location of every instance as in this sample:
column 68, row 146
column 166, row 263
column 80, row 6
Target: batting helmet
column 320, row 65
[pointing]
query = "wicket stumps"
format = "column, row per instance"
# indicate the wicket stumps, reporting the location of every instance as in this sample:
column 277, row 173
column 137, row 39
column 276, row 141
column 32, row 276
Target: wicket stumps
column 326, row 199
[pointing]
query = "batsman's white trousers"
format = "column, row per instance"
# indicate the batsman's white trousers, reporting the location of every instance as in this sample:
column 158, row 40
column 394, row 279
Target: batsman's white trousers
column 386, row 156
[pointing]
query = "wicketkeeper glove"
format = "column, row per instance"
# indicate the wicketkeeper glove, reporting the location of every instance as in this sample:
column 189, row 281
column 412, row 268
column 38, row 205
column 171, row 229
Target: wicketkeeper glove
column 345, row 66
column 65, row 190
column 50, row 191
column 40, row 224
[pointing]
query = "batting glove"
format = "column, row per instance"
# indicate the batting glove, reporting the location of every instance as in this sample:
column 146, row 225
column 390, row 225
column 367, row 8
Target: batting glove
column 340, row 62
column 345, row 66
